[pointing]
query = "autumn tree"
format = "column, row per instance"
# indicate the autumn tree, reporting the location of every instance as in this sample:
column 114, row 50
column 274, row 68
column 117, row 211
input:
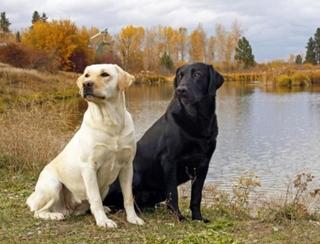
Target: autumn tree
column 4, row 23
column 220, row 43
column 130, row 41
column 197, row 45
column 211, row 50
column 310, row 53
column 182, row 44
column 244, row 53
column 58, row 39
column 151, row 50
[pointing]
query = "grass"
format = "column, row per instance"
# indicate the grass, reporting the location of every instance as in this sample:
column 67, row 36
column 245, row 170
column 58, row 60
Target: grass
column 18, row 225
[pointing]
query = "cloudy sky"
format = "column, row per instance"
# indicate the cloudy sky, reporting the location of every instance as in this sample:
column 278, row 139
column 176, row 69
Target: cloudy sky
column 275, row 28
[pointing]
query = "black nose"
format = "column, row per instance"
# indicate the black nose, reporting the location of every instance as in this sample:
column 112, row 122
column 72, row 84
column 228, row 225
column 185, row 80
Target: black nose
column 181, row 91
column 88, row 84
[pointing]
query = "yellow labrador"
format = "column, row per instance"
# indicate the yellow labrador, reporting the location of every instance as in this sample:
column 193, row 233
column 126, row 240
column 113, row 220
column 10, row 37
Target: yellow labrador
column 100, row 151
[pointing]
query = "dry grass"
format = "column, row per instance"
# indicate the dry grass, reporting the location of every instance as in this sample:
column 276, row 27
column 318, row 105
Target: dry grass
column 32, row 135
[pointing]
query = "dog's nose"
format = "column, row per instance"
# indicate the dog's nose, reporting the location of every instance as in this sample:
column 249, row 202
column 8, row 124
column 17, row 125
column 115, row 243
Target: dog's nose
column 88, row 84
column 181, row 91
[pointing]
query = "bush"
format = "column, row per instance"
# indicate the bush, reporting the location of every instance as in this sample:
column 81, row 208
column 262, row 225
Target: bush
column 300, row 79
column 315, row 77
column 21, row 56
column 14, row 54
column 283, row 80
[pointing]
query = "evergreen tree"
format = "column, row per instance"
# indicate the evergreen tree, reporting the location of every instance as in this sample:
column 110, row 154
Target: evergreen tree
column 44, row 17
column 166, row 61
column 298, row 59
column 35, row 17
column 310, row 54
column 317, row 46
column 18, row 36
column 4, row 23
column 244, row 53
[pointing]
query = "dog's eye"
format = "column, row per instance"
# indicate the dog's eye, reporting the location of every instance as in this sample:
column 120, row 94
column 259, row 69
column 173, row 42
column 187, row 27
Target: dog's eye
column 105, row 74
column 86, row 75
column 180, row 75
column 196, row 74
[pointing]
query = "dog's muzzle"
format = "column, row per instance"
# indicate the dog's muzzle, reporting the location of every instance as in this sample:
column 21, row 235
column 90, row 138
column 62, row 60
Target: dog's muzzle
column 88, row 89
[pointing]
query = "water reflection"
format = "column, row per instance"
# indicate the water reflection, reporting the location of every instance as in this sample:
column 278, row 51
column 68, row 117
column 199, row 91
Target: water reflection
column 273, row 132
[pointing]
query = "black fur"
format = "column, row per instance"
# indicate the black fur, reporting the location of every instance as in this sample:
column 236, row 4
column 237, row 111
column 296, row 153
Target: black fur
column 178, row 147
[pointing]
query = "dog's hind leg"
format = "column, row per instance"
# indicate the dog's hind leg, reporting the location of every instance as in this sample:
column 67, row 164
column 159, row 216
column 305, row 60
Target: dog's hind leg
column 45, row 201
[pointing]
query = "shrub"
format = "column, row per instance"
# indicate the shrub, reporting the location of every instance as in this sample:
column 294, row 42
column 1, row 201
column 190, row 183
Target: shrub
column 14, row 54
column 283, row 80
column 315, row 77
column 300, row 79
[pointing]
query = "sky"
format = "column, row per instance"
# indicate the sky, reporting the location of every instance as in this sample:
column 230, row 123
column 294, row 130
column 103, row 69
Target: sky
column 274, row 28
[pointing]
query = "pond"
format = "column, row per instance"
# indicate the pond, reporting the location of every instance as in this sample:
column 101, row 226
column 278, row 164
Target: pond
column 272, row 132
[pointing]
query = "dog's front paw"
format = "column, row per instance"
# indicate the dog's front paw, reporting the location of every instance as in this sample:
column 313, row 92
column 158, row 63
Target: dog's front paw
column 135, row 220
column 106, row 223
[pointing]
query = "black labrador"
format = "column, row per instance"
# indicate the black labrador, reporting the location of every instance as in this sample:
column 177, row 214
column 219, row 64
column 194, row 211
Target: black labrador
column 178, row 147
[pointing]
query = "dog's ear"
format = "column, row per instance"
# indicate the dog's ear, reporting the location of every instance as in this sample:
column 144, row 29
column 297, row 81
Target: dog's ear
column 215, row 80
column 79, row 81
column 125, row 79
column 175, row 81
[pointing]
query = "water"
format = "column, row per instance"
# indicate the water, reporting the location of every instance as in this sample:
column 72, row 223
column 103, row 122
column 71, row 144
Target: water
column 274, row 133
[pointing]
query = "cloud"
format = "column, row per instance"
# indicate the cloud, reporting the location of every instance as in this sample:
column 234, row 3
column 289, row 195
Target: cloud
column 275, row 28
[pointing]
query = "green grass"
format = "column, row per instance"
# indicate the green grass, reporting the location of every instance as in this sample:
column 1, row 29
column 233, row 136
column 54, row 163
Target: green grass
column 18, row 225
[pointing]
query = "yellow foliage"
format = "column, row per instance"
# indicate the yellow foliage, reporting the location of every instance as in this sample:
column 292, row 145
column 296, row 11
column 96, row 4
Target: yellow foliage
column 130, row 46
column 60, row 39
column 197, row 45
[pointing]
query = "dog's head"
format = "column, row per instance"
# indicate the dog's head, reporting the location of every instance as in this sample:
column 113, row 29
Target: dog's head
column 196, row 81
column 100, row 82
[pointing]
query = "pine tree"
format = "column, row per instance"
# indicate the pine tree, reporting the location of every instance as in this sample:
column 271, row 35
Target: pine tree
column 310, row 54
column 35, row 17
column 244, row 53
column 166, row 61
column 317, row 45
column 18, row 36
column 298, row 59
column 44, row 17
column 4, row 23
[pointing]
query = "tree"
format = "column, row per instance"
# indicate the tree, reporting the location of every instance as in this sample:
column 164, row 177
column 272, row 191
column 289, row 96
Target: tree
column 130, row 40
column 4, row 23
column 244, row 53
column 18, row 37
column 61, row 40
column 220, row 43
column 317, row 45
column 151, row 50
column 166, row 62
column 197, row 45
column 211, row 50
column 310, row 54
column 298, row 59
column 44, row 17
column 35, row 17
column 182, row 43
